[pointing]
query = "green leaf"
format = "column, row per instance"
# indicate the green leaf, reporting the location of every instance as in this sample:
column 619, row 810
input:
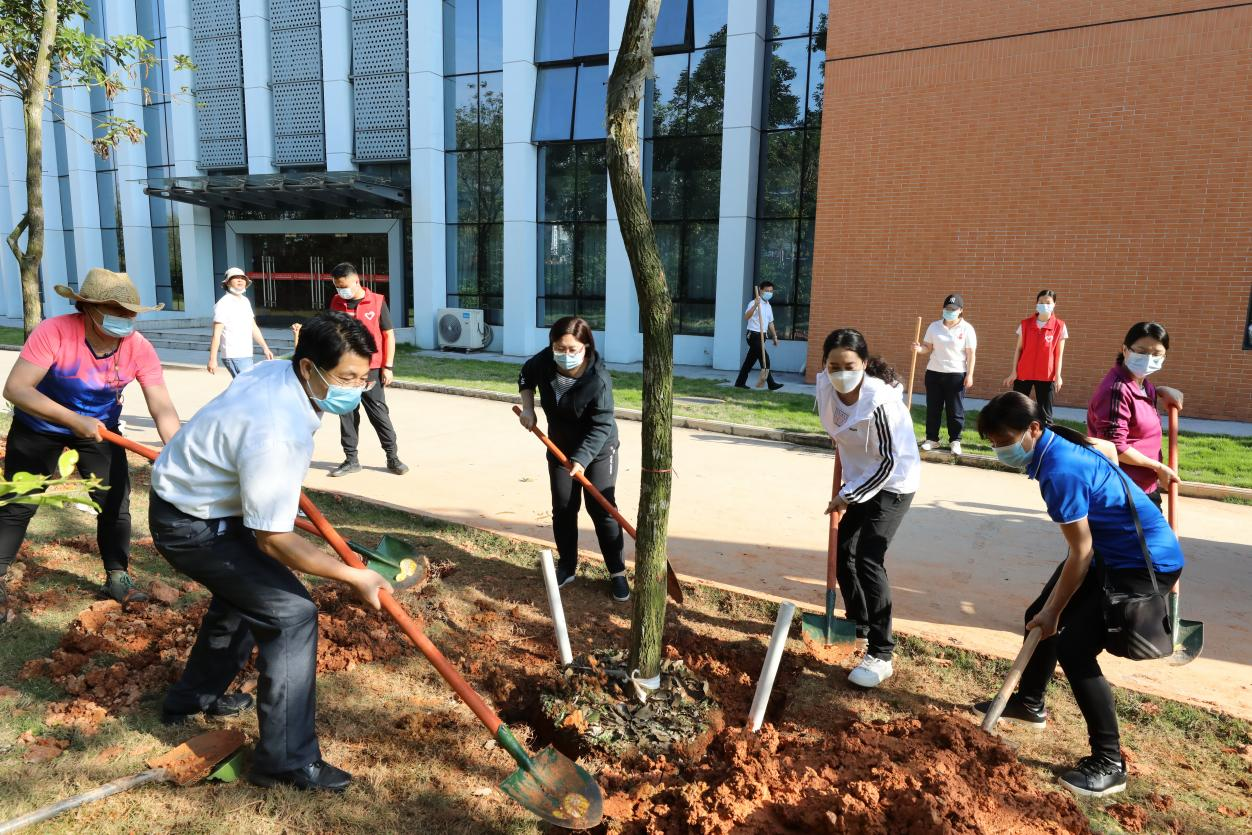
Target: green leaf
column 67, row 462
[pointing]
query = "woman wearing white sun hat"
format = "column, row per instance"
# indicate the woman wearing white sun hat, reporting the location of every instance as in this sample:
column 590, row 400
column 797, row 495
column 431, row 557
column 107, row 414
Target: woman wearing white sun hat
column 234, row 326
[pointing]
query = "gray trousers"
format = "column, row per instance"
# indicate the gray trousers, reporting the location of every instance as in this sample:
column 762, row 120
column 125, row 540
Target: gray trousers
column 257, row 601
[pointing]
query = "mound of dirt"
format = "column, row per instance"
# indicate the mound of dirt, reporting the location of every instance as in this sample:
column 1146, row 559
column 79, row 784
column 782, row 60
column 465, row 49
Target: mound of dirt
column 110, row 659
column 936, row 773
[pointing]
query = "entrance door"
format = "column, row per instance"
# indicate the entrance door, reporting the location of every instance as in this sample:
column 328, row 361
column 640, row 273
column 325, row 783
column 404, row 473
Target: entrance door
column 291, row 273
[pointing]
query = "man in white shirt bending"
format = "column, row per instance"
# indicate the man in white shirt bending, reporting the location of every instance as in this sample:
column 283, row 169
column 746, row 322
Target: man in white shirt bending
column 225, row 492
column 760, row 318
column 234, row 326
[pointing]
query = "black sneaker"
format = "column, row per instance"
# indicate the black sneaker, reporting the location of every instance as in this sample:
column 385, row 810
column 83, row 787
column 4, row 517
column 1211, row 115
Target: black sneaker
column 1095, row 777
column 395, row 465
column 563, row 577
column 121, row 588
column 621, row 589
column 775, row 386
column 346, row 468
column 228, row 705
column 1016, row 710
column 316, row 776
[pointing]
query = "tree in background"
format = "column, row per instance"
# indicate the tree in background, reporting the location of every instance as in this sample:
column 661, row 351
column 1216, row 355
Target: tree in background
column 625, row 92
column 43, row 47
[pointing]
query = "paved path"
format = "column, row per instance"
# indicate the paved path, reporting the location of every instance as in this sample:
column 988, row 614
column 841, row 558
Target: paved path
column 973, row 551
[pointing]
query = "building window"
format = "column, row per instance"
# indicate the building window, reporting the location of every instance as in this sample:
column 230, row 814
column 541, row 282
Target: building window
column 790, row 142
column 475, row 159
column 107, row 192
column 157, row 123
column 683, row 154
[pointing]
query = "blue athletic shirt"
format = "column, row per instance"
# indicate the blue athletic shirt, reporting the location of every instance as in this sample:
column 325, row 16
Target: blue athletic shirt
column 1079, row 483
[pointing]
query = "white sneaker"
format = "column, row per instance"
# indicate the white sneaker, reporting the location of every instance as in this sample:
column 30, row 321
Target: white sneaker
column 956, row 447
column 927, row 446
column 871, row 672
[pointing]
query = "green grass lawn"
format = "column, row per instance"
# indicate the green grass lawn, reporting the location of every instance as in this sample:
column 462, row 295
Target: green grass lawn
column 12, row 336
column 1214, row 459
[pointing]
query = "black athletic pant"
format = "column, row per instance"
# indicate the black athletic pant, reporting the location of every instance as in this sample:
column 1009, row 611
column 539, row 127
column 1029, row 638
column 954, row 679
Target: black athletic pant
column 374, row 402
column 1043, row 394
column 865, row 531
column 756, row 355
column 945, row 391
column 30, row 451
column 1076, row 646
column 257, row 601
column 567, row 496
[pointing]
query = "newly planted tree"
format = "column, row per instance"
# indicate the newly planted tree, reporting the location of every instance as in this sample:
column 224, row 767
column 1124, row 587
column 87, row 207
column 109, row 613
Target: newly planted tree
column 43, row 46
column 625, row 91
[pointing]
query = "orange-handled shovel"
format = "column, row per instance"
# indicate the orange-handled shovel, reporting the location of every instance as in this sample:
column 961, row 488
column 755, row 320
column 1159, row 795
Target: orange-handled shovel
column 671, row 579
column 829, row 629
column 1188, row 634
column 550, row 785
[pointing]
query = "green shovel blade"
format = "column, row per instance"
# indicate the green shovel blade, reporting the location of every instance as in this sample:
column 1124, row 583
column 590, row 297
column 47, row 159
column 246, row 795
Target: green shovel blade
column 827, row 629
column 1188, row 636
column 551, row 786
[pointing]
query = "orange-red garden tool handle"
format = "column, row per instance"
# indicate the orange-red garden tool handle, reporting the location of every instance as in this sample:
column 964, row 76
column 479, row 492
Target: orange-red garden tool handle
column 1173, row 465
column 671, row 579
column 319, row 524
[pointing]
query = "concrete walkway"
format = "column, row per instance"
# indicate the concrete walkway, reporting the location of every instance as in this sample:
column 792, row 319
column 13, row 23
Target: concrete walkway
column 973, row 552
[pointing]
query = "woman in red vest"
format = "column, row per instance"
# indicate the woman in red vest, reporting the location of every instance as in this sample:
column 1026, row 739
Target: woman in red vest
column 1040, row 349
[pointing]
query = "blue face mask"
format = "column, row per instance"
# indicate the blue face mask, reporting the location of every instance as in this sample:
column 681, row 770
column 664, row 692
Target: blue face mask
column 118, row 326
column 767, row 295
column 1044, row 308
column 339, row 400
column 951, row 315
column 569, row 361
column 1014, row 456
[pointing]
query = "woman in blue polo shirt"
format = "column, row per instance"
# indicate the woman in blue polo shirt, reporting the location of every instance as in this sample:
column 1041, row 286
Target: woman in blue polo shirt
column 1085, row 494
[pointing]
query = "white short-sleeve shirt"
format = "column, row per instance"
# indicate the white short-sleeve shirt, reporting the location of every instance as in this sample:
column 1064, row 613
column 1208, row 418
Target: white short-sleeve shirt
column 761, row 323
column 235, row 315
column 245, row 454
column 950, row 345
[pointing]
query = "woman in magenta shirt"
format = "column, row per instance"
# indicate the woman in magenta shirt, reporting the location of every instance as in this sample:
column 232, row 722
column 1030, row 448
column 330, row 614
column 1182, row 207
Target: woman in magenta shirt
column 1123, row 409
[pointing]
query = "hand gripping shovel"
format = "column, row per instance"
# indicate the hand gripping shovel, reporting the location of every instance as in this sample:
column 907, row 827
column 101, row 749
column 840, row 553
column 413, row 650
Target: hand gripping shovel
column 189, row 763
column 550, row 785
column 992, row 715
column 1188, row 634
column 829, row 629
column 671, row 579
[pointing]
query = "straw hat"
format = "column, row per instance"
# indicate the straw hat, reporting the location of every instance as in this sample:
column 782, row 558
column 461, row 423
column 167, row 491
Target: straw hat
column 235, row 272
column 101, row 286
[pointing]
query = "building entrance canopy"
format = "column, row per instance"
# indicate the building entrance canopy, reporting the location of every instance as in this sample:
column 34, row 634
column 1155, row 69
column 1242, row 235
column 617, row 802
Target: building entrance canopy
column 284, row 190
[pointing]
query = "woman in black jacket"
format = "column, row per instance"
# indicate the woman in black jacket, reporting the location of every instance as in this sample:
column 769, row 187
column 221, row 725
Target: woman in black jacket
column 577, row 398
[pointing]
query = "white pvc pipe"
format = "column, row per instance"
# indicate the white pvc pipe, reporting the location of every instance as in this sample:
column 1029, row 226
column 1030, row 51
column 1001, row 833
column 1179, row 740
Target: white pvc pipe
column 554, row 603
column 773, row 657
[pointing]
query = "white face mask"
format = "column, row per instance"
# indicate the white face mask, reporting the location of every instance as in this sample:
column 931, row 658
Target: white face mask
column 845, row 381
column 238, row 291
column 1141, row 365
column 1045, row 309
column 348, row 293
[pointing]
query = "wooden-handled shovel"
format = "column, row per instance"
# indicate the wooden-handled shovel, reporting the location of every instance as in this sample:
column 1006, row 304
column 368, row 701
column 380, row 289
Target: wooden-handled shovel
column 1015, row 674
column 1188, row 634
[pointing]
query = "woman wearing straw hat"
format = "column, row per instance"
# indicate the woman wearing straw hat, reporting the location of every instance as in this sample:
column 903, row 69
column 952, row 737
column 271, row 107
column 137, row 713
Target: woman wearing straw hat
column 66, row 384
column 234, row 326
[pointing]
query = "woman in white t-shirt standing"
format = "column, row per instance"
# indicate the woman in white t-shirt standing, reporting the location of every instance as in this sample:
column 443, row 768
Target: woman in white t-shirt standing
column 234, row 326
column 951, row 343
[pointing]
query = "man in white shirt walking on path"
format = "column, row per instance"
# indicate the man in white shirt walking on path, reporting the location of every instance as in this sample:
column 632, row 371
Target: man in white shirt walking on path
column 234, row 326
column 760, row 318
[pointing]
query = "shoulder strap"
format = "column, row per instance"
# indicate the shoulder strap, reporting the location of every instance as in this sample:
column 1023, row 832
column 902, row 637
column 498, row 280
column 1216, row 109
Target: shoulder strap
column 1134, row 514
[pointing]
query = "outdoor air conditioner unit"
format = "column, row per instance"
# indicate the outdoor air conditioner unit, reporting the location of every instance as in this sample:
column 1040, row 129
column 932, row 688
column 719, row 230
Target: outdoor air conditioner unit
column 460, row 329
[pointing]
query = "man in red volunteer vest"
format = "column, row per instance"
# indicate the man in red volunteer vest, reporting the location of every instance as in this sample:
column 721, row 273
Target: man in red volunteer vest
column 1040, row 349
column 370, row 309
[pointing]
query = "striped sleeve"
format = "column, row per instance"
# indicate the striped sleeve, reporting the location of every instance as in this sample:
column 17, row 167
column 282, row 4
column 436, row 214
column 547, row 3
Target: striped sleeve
column 1117, row 418
column 854, row 493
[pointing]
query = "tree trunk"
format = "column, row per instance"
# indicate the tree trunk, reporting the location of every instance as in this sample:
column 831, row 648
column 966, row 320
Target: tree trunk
column 34, row 92
column 625, row 91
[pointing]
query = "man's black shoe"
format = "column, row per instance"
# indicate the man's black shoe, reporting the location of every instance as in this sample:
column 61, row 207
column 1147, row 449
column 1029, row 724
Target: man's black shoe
column 1016, row 710
column 346, row 468
column 228, row 705
column 620, row 588
column 775, row 386
column 397, row 466
column 563, row 577
column 317, row 776
column 1095, row 777
column 741, row 385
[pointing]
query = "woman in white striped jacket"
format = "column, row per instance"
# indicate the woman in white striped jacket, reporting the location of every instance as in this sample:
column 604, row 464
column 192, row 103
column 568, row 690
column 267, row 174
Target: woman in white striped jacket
column 861, row 405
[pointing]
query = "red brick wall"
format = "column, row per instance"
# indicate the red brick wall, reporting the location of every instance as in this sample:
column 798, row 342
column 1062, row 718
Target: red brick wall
column 1111, row 163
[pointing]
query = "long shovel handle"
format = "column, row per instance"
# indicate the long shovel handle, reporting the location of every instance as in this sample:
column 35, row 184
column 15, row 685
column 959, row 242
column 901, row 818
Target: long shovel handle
column 1173, row 511
column 317, row 523
column 832, row 536
column 1015, row 673
column 917, row 337
column 671, row 579
column 98, row 793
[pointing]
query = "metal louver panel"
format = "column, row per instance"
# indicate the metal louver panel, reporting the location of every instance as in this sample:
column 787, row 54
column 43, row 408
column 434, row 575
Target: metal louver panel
column 296, row 76
column 380, row 81
column 218, row 84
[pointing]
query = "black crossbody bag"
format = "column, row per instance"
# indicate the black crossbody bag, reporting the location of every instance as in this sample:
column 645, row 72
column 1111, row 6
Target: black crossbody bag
column 1137, row 626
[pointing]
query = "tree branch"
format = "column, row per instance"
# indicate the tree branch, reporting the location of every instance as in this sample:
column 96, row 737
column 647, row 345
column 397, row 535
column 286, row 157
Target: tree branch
column 15, row 235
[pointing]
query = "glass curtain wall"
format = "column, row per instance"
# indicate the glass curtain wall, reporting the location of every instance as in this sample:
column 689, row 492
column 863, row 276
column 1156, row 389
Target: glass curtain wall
column 790, row 141
column 474, row 124
column 683, row 153
column 166, row 251
column 571, row 49
column 107, row 191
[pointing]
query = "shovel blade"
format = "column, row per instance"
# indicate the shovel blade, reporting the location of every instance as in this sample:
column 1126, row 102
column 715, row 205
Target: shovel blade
column 557, row 790
column 1189, row 642
column 820, row 630
column 194, row 759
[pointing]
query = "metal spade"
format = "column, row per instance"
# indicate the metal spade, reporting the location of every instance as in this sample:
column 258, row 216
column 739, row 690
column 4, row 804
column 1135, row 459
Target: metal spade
column 828, row 629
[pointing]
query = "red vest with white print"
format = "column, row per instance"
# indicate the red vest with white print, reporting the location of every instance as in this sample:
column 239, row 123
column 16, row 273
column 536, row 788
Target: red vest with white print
column 367, row 312
column 1040, row 346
